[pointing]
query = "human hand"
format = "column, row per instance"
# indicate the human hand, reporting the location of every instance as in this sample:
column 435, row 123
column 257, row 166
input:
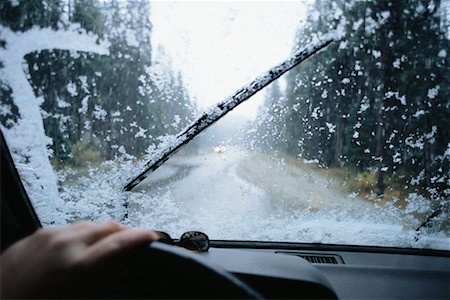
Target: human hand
column 55, row 259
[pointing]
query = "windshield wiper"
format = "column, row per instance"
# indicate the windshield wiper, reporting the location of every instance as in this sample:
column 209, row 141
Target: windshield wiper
column 437, row 212
column 219, row 110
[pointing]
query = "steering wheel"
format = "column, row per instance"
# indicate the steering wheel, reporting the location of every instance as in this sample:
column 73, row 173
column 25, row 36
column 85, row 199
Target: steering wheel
column 162, row 271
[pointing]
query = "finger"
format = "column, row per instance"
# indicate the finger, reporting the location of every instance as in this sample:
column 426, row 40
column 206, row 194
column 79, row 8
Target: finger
column 117, row 243
column 90, row 232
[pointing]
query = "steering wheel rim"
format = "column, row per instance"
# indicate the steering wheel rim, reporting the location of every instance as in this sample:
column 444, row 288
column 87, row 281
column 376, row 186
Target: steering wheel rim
column 161, row 271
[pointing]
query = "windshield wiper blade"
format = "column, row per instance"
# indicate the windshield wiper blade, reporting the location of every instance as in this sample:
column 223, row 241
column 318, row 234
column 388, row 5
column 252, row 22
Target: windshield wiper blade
column 219, row 110
column 437, row 212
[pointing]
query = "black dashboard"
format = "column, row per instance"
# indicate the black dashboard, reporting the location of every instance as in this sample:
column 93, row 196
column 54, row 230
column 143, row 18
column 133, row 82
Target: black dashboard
column 355, row 273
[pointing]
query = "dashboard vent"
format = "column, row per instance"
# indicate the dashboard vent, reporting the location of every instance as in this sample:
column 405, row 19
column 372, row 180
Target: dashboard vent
column 318, row 259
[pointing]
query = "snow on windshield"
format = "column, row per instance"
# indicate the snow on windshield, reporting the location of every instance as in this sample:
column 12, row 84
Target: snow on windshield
column 351, row 147
column 26, row 139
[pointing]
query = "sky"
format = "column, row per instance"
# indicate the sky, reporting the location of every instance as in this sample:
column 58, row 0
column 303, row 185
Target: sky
column 220, row 46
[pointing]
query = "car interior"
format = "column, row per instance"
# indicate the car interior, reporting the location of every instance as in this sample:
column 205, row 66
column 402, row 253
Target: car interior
column 334, row 183
column 246, row 269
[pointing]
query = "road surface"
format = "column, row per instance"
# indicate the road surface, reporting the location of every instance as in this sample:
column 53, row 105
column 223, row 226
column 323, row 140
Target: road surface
column 243, row 181
column 237, row 193
column 241, row 195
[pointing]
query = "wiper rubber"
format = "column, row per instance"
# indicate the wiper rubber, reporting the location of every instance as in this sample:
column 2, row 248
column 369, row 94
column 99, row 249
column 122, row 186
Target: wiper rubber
column 219, row 110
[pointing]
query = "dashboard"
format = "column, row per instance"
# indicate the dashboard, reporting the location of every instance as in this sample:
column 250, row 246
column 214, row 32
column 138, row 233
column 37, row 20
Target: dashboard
column 354, row 273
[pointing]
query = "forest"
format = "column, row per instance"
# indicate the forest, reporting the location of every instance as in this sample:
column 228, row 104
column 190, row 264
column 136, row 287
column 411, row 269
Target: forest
column 376, row 105
column 95, row 107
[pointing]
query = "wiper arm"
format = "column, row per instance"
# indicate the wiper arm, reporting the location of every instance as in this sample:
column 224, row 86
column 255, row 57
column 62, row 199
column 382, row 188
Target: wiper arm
column 219, row 110
column 437, row 212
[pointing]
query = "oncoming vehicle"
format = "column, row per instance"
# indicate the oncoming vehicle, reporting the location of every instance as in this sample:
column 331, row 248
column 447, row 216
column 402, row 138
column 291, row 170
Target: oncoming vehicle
column 332, row 180
column 219, row 149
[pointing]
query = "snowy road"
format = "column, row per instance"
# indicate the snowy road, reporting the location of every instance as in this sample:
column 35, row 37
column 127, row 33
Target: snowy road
column 242, row 196
column 209, row 182
column 239, row 183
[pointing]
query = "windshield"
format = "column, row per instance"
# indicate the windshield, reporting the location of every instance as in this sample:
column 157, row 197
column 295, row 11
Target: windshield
column 352, row 146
